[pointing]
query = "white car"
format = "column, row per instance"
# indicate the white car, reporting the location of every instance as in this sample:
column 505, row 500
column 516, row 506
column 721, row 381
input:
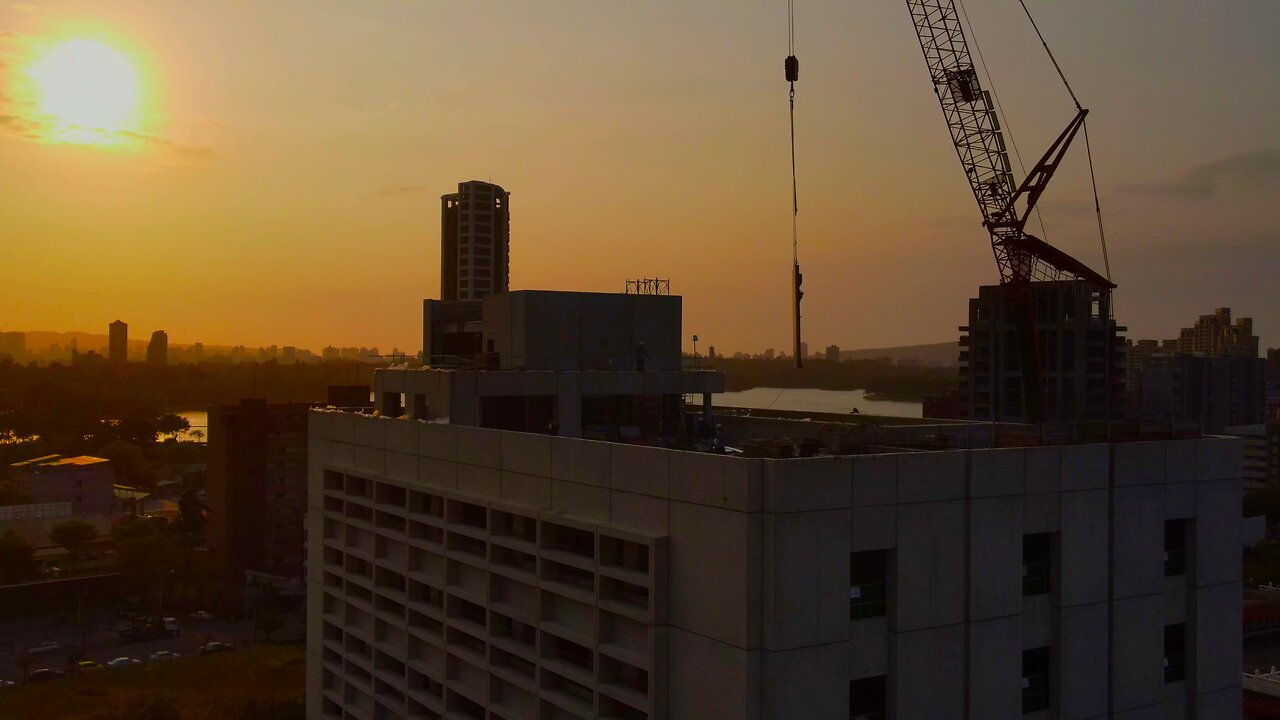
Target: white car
column 201, row 615
column 48, row 646
column 123, row 662
column 164, row 656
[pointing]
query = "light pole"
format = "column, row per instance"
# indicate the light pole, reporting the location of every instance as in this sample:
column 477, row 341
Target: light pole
column 695, row 352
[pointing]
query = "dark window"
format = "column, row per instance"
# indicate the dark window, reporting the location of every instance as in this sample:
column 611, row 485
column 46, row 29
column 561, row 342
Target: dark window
column 867, row 597
column 1036, row 562
column 867, row 699
column 1035, row 680
column 1175, row 652
column 1175, row 547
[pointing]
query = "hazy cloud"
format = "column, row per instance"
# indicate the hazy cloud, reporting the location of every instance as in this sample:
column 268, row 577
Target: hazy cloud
column 394, row 190
column 27, row 129
column 1251, row 170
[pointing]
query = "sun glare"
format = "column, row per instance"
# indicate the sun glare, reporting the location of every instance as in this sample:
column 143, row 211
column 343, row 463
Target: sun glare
column 89, row 93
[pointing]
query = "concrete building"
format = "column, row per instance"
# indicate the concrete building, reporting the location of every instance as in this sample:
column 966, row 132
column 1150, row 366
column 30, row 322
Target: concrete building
column 1261, row 453
column 1081, row 355
column 85, row 482
column 1216, row 334
column 158, row 348
column 833, row 353
column 475, row 241
column 1215, row 392
column 118, row 342
column 257, row 487
column 916, row 571
column 13, row 345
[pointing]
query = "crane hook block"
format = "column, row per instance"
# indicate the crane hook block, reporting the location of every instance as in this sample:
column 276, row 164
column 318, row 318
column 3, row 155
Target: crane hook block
column 793, row 68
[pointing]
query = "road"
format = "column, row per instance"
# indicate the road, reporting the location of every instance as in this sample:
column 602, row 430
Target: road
column 102, row 643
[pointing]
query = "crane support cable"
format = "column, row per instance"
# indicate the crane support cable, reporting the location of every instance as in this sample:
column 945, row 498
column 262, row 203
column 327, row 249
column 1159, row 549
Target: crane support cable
column 792, row 68
column 1097, row 206
column 1052, row 59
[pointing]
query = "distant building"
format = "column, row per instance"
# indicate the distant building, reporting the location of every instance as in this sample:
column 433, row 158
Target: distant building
column 289, row 355
column 118, row 342
column 257, row 481
column 1261, row 453
column 1081, row 355
column 769, row 354
column 1214, row 392
column 804, row 349
column 1273, row 383
column 84, row 481
column 330, row 353
column 833, row 353
column 475, row 241
column 349, row 396
column 1216, row 335
column 158, row 348
column 13, row 345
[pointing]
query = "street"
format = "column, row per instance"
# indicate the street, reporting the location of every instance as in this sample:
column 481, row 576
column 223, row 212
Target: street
column 102, row 643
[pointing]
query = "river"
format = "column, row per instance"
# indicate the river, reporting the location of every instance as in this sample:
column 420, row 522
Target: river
column 817, row 401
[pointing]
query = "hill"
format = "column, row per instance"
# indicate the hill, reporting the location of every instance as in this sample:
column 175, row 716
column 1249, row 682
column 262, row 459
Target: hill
column 944, row 354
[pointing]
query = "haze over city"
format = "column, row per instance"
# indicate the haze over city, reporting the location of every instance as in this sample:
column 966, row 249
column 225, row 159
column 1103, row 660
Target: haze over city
column 277, row 178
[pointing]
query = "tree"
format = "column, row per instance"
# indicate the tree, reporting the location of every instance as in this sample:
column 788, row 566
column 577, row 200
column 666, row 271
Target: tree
column 172, row 425
column 129, row 464
column 73, row 534
column 192, row 519
column 17, row 558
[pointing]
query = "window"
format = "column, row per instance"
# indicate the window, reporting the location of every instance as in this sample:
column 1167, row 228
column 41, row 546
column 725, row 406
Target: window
column 867, row 597
column 1175, row 547
column 1175, row 652
column 1036, row 563
column 867, row 699
column 1035, row 680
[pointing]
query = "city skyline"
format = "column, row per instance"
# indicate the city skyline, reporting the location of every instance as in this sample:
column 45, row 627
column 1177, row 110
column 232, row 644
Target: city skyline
column 304, row 171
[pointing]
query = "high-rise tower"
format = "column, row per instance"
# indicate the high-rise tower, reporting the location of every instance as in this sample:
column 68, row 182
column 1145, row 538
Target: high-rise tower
column 475, row 241
column 118, row 342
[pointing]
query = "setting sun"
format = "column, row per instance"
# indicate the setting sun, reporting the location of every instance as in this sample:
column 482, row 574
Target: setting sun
column 88, row 91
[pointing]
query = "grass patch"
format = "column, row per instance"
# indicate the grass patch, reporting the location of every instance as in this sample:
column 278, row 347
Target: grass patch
column 213, row 687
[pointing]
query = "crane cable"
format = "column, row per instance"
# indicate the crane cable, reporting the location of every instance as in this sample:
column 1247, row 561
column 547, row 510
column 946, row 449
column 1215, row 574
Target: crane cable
column 792, row 67
column 1097, row 206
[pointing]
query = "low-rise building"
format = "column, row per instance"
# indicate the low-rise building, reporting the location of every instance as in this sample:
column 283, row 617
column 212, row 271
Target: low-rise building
column 84, row 481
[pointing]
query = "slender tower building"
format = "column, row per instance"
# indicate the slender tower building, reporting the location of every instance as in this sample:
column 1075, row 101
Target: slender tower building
column 475, row 241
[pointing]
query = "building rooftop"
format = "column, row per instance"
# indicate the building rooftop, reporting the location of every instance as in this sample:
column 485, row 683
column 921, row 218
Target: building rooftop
column 56, row 461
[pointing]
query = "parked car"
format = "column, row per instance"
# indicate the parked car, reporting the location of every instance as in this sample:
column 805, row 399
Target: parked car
column 215, row 647
column 201, row 616
column 87, row 666
column 123, row 662
column 7, row 684
column 44, row 648
column 164, row 656
column 45, row 675
column 171, row 627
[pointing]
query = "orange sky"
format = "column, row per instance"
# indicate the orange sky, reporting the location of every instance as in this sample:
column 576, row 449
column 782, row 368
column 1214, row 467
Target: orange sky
column 281, row 185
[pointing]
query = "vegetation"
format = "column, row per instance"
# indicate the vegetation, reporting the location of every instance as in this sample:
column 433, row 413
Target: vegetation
column 17, row 558
column 268, row 683
column 880, row 377
column 73, row 534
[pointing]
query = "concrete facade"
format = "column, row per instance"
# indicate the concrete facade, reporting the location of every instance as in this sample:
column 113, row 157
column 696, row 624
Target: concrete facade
column 464, row 572
column 86, row 482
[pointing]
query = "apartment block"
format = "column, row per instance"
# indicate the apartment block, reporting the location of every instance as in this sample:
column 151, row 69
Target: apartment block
column 1216, row 334
column 468, row 572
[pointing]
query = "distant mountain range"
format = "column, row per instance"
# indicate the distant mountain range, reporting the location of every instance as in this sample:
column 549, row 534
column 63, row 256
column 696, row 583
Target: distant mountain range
column 946, row 354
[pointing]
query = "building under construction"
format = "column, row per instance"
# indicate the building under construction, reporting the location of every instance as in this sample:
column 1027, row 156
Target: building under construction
column 1080, row 351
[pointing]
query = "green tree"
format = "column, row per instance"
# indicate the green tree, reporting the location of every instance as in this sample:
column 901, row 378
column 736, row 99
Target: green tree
column 73, row 534
column 129, row 464
column 172, row 425
column 138, row 427
column 17, row 558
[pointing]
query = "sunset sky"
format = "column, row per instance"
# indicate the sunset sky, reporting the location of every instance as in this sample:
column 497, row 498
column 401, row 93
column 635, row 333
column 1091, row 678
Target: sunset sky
column 264, row 173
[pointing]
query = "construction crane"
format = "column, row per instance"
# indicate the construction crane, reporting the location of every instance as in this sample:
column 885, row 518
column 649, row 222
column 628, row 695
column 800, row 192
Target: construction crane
column 1006, row 206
